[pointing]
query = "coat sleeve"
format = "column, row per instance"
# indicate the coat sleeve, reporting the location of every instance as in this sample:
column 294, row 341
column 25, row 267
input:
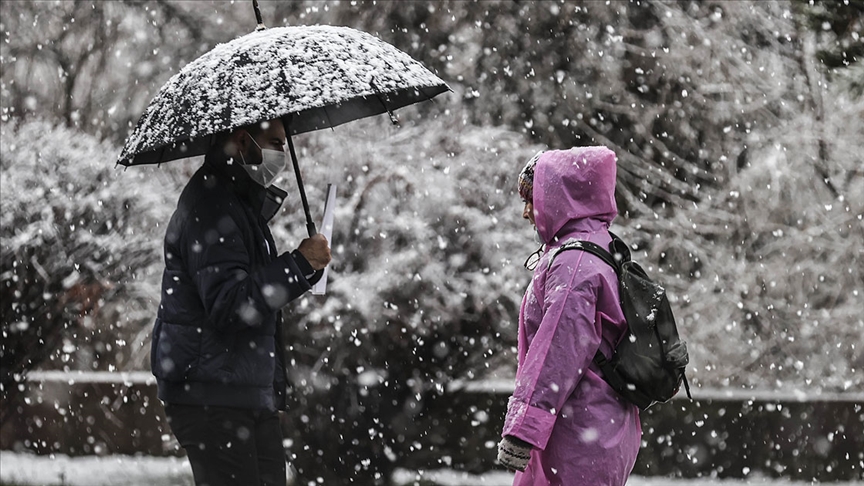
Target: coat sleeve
column 236, row 292
column 559, row 354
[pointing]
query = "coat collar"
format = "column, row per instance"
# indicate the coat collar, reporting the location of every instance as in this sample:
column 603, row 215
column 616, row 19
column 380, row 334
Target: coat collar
column 264, row 201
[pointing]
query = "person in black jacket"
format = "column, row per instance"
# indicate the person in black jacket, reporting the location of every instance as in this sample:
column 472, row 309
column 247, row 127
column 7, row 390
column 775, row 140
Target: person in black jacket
column 217, row 350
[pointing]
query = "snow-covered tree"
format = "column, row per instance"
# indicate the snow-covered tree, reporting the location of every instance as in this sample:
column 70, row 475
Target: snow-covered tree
column 80, row 254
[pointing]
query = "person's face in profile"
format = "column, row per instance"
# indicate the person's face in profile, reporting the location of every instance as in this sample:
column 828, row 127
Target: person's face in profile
column 272, row 135
column 528, row 212
column 246, row 148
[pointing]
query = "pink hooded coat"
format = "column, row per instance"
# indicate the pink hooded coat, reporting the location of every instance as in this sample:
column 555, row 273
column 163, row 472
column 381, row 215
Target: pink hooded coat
column 582, row 431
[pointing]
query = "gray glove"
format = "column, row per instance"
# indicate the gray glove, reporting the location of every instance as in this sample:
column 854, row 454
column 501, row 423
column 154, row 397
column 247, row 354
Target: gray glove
column 513, row 453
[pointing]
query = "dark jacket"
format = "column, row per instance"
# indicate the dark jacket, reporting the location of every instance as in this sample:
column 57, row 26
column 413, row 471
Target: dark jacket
column 217, row 338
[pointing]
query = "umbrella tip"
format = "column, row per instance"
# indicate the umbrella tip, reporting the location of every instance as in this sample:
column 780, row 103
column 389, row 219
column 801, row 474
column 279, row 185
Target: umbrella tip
column 261, row 25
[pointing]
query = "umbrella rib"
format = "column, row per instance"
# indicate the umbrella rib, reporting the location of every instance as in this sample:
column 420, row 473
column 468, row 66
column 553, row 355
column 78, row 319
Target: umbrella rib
column 428, row 98
column 161, row 156
column 377, row 91
column 327, row 116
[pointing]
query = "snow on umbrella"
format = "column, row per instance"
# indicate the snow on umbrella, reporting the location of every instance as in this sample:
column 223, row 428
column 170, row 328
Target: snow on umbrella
column 311, row 77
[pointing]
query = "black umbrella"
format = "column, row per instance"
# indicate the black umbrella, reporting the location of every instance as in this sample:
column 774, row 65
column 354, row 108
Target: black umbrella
column 311, row 77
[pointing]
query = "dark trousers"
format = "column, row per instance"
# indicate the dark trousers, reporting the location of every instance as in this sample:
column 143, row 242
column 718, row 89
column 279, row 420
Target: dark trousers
column 230, row 446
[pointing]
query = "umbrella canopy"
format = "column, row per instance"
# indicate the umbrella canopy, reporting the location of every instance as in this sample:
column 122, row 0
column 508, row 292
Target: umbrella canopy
column 312, row 77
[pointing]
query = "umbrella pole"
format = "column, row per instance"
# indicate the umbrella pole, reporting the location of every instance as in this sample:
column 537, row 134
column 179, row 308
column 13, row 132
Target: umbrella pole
column 310, row 226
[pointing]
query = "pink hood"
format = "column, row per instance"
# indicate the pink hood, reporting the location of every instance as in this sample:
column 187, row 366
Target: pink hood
column 573, row 185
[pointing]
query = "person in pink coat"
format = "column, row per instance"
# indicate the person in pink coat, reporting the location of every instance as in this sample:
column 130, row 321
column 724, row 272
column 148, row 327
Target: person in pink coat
column 564, row 424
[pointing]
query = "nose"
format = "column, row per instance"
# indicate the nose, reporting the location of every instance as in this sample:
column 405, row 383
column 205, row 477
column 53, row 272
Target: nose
column 526, row 211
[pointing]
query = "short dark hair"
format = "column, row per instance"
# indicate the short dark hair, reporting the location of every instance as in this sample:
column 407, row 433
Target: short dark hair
column 220, row 138
column 253, row 128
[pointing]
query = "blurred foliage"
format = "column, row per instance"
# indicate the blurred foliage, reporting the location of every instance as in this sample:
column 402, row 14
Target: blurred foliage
column 842, row 22
column 80, row 258
column 672, row 86
column 740, row 185
column 838, row 28
column 96, row 65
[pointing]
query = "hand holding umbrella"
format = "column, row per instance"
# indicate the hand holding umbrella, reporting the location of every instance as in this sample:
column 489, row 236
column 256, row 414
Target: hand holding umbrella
column 316, row 250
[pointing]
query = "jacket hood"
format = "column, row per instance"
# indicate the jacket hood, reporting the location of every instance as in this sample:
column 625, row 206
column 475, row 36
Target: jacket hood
column 573, row 187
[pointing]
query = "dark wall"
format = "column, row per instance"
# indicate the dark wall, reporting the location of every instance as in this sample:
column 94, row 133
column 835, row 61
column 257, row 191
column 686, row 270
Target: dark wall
column 802, row 438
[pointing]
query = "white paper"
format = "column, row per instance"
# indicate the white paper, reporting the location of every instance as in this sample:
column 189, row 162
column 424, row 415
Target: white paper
column 320, row 288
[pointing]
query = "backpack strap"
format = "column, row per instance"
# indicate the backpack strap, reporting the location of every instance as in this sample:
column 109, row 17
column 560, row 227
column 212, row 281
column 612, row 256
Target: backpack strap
column 609, row 374
column 591, row 248
column 620, row 249
column 605, row 366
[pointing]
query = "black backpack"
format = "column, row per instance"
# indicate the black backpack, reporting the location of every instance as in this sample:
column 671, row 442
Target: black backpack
column 648, row 365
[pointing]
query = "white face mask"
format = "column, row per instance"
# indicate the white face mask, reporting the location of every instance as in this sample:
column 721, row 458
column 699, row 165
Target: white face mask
column 272, row 163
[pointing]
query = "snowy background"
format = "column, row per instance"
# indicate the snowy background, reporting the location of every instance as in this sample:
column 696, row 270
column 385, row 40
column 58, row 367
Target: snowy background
column 738, row 127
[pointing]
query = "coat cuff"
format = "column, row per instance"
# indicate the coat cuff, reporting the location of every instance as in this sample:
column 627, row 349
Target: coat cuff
column 310, row 274
column 531, row 424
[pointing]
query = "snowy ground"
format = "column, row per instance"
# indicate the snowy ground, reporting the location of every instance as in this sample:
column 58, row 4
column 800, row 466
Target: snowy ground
column 30, row 470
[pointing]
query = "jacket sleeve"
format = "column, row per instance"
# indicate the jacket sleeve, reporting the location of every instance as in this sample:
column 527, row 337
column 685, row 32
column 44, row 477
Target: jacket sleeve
column 236, row 292
column 559, row 354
